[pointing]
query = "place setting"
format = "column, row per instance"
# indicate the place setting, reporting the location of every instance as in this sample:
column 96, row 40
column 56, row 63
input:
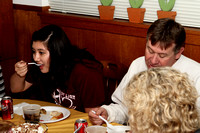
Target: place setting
column 50, row 114
column 109, row 129
column 47, row 114
column 36, row 116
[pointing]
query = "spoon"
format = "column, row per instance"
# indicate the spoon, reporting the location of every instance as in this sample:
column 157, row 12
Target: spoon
column 107, row 123
column 33, row 63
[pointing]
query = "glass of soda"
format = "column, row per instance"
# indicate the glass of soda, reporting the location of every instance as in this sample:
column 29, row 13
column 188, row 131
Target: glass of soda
column 32, row 113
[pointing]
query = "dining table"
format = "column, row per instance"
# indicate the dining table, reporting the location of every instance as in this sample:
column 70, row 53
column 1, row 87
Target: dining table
column 63, row 126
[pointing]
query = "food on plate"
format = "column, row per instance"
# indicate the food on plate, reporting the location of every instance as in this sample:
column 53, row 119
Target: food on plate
column 28, row 128
column 56, row 115
column 43, row 111
column 5, row 126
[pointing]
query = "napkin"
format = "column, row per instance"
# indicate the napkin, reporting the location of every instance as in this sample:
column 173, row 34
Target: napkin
column 18, row 108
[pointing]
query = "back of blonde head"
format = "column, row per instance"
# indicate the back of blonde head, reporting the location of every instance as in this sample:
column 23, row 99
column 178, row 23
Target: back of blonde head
column 161, row 100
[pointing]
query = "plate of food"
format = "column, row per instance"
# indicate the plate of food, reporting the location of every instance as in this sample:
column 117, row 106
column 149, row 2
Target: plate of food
column 49, row 114
column 23, row 127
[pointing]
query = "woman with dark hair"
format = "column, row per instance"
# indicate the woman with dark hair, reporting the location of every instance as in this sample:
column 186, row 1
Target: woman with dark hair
column 66, row 74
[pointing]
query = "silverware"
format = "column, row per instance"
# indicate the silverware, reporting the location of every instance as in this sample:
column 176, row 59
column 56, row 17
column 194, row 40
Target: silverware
column 107, row 123
column 33, row 63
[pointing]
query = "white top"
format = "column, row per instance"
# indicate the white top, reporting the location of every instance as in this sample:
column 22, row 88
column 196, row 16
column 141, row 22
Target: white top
column 118, row 112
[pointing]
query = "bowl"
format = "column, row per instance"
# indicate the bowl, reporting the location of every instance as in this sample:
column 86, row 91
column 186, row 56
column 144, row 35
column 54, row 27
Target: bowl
column 119, row 129
column 96, row 129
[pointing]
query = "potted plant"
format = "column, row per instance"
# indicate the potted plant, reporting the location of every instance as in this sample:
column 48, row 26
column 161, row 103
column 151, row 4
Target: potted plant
column 106, row 11
column 135, row 13
column 166, row 8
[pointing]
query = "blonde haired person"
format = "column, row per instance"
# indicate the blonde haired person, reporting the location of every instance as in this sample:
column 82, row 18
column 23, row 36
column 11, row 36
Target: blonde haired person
column 161, row 100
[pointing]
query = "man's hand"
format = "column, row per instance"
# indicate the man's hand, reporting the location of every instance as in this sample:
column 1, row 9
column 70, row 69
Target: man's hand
column 94, row 118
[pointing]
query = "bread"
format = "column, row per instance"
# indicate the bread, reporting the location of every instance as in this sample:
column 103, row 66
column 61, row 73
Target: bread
column 43, row 111
column 56, row 115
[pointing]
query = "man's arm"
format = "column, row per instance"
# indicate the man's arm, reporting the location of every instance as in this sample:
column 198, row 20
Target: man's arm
column 118, row 112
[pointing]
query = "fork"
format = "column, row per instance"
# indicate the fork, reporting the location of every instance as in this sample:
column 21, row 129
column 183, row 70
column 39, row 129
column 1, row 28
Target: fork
column 33, row 63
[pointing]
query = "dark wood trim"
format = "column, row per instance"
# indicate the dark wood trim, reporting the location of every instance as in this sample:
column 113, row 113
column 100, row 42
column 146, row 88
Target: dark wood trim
column 30, row 8
column 116, row 26
column 122, row 27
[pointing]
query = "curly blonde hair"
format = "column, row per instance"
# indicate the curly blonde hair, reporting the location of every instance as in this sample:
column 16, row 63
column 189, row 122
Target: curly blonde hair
column 161, row 100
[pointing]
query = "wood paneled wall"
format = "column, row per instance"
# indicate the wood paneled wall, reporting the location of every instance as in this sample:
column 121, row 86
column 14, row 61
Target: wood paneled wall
column 26, row 22
column 118, row 40
column 7, row 41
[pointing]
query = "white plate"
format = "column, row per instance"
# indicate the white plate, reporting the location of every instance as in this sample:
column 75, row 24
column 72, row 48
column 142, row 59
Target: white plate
column 47, row 118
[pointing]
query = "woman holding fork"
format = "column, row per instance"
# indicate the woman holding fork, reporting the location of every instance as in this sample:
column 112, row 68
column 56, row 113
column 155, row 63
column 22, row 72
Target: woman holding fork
column 65, row 75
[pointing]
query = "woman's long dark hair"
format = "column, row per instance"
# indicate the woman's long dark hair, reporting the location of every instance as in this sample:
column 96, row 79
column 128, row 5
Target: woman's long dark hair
column 63, row 55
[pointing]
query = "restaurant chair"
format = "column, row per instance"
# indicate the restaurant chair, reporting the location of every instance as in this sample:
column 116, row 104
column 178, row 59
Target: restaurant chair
column 113, row 73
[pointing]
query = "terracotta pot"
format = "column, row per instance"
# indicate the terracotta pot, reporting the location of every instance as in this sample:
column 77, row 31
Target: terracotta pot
column 166, row 14
column 136, row 15
column 106, row 12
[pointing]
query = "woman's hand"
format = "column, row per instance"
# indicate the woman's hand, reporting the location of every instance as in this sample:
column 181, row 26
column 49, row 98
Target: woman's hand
column 21, row 68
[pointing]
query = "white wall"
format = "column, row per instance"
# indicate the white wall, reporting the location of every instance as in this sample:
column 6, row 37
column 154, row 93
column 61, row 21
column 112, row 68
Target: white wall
column 39, row 3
